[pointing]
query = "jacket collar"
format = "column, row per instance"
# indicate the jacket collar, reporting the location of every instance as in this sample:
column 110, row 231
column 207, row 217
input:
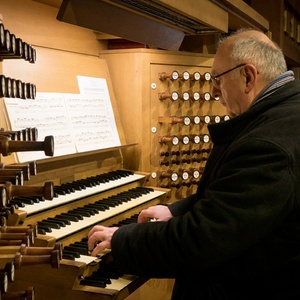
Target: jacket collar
column 226, row 131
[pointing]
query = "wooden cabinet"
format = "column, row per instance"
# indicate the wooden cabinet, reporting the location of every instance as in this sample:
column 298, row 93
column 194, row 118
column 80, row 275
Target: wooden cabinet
column 146, row 114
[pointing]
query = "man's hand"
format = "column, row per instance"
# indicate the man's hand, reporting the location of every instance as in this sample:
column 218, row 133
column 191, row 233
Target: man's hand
column 99, row 238
column 156, row 213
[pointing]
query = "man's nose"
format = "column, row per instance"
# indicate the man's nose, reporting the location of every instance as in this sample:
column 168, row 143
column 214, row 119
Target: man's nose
column 215, row 92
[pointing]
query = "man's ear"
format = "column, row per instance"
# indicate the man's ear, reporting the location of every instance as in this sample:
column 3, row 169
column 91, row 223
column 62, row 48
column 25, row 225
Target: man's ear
column 250, row 73
column 248, row 78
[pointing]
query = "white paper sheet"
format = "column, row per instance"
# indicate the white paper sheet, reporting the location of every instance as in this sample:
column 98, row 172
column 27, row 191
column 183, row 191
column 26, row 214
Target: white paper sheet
column 78, row 122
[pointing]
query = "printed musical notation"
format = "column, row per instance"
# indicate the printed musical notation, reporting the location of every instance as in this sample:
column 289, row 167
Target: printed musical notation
column 78, row 122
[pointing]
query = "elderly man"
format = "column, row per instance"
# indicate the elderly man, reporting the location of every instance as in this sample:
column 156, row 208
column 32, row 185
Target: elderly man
column 238, row 237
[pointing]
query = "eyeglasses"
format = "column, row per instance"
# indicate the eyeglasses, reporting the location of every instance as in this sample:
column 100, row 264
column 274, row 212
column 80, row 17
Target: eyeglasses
column 216, row 78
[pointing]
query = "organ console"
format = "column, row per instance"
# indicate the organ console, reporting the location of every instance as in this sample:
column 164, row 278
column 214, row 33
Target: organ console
column 46, row 233
column 62, row 200
column 64, row 197
column 62, row 214
column 94, row 187
column 89, row 189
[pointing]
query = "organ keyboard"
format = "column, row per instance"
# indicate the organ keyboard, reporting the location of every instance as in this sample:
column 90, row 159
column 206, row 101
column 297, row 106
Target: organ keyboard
column 64, row 198
column 81, row 279
column 81, row 200
column 88, row 221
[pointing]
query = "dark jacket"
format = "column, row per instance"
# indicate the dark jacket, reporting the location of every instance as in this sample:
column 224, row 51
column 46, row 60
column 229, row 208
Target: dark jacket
column 238, row 237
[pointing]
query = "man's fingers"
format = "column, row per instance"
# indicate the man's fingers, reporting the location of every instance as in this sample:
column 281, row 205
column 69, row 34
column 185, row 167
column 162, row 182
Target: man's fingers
column 144, row 216
column 100, row 247
column 95, row 229
column 94, row 239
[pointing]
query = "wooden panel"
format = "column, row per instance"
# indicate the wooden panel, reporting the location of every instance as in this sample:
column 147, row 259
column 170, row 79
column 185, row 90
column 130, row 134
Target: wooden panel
column 43, row 29
column 107, row 17
column 243, row 15
column 204, row 11
column 138, row 85
column 55, row 70
column 284, row 21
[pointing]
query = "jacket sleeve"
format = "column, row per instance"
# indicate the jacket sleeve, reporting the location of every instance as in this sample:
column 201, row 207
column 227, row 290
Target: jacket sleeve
column 180, row 207
column 252, row 192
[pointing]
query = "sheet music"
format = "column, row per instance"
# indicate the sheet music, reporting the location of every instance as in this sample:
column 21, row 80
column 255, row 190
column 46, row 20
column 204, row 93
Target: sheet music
column 48, row 114
column 92, row 122
column 77, row 122
column 92, row 85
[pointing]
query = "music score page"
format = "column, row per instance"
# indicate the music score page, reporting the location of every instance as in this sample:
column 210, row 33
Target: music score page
column 78, row 122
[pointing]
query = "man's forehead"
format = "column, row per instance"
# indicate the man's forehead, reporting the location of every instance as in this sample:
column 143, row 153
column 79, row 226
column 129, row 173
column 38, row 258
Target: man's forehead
column 217, row 64
column 221, row 57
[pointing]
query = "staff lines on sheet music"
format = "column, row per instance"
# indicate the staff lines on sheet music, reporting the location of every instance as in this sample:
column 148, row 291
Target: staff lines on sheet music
column 77, row 122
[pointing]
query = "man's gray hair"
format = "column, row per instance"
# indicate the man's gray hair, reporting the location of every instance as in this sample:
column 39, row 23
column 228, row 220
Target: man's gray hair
column 267, row 57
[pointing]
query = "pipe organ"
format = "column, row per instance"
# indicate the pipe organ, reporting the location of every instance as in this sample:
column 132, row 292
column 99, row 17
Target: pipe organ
column 62, row 197
column 162, row 106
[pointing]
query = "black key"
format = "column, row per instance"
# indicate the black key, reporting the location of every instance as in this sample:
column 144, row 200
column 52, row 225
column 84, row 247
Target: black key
column 107, row 202
column 45, row 228
column 41, row 231
column 80, row 212
column 22, row 200
column 61, row 223
column 60, row 191
column 87, row 183
column 68, row 217
column 91, row 209
column 96, row 283
column 15, row 202
column 75, row 250
column 67, row 189
column 80, row 249
column 102, row 179
column 76, row 187
column 75, row 214
column 30, row 199
column 96, row 276
column 48, row 224
column 68, row 255
column 99, row 207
